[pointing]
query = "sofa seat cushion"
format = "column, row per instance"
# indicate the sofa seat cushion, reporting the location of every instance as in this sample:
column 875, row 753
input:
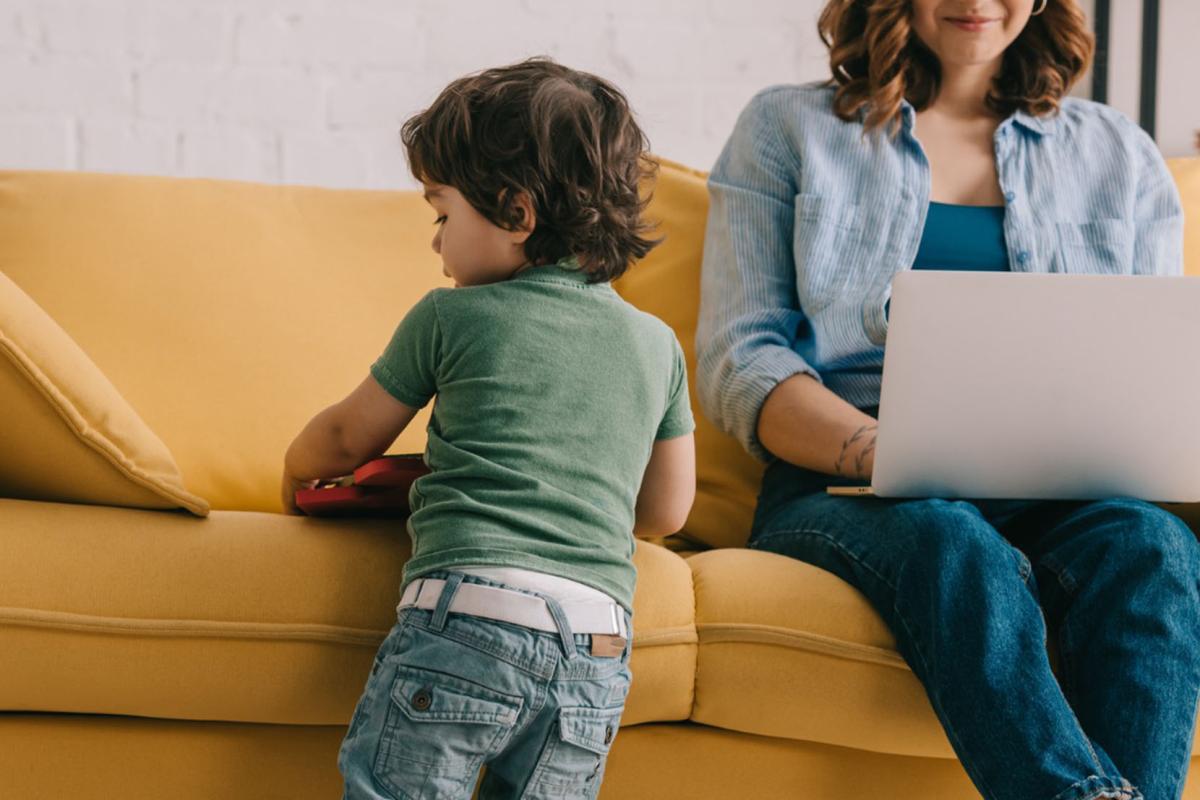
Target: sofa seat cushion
column 792, row 651
column 244, row 616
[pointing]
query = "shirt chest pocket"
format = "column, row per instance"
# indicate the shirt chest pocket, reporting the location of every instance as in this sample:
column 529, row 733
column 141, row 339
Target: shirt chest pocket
column 827, row 243
column 1103, row 246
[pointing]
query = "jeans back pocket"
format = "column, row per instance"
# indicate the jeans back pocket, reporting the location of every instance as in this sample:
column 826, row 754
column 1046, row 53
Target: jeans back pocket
column 572, row 764
column 438, row 731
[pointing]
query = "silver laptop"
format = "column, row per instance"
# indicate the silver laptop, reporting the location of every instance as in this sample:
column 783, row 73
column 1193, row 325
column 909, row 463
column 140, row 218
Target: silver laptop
column 1016, row 385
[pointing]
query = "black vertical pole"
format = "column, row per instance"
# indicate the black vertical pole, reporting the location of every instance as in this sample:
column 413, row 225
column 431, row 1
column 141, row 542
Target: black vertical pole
column 1149, row 100
column 1100, row 65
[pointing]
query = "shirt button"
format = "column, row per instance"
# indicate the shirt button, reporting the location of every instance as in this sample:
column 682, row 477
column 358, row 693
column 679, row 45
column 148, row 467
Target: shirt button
column 1022, row 256
column 1010, row 196
column 422, row 700
column 607, row 734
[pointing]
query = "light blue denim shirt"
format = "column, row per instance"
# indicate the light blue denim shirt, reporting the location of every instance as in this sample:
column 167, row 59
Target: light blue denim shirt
column 809, row 219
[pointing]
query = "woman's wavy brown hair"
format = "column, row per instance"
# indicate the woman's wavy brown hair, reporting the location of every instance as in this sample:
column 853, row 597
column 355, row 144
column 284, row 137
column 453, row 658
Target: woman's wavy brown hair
column 567, row 138
column 878, row 60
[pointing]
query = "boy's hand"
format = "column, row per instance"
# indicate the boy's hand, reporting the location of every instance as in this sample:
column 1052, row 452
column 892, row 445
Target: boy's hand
column 290, row 485
column 342, row 437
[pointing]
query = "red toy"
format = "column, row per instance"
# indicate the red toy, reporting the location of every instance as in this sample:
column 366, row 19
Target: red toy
column 378, row 488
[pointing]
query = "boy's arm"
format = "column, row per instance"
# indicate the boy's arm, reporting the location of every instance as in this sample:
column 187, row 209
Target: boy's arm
column 668, row 488
column 343, row 437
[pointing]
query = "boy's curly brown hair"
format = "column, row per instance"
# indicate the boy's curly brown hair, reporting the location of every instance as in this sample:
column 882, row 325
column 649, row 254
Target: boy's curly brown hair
column 566, row 138
column 878, row 60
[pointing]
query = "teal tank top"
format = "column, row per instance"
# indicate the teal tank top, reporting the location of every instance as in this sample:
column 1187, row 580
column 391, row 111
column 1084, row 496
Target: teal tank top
column 963, row 238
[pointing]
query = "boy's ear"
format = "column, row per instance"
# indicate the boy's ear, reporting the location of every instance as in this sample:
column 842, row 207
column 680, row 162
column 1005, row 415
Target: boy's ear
column 527, row 217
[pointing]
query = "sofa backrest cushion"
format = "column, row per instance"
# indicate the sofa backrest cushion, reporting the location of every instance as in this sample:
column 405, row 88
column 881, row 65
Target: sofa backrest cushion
column 227, row 313
column 666, row 283
column 1187, row 178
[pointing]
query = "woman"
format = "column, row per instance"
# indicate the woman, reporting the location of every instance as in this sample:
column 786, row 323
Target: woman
column 946, row 140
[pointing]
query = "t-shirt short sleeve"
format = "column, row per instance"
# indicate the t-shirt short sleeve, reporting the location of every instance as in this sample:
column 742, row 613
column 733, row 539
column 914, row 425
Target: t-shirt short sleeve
column 407, row 369
column 677, row 420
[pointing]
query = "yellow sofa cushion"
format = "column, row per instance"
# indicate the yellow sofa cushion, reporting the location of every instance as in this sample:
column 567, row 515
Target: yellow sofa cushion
column 228, row 313
column 291, row 292
column 1187, row 177
column 667, row 284
column 766, row 621
column 791, row 651
column 67, row 435
column 246, row 616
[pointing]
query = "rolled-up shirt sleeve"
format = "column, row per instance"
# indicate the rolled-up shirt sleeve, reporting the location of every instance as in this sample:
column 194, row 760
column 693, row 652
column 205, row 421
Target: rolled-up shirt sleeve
column 749, row 310
column 1157, row 213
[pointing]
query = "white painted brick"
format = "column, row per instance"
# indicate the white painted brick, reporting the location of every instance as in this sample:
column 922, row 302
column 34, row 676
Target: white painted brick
column 182, row 32
column 471, row 39
column 299, row 37
column 752, row 54
column 18, row 29
column 328, row 159
column 387, row 167
column 64, row 84
column 175, row 91
column 85, row 27
column 669, row 113
column 813, row 63
column 721, row 105
column 118, row 145
column 277, row 98
column 314, row 91
column 182, row 92
column 33, row 142
column 683, row 12
column 234, row 154
column 381, row 98
column 645, row 53
column 789, row 13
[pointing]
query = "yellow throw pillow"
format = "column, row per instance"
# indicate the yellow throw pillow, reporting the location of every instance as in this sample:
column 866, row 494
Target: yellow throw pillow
column 66, row 434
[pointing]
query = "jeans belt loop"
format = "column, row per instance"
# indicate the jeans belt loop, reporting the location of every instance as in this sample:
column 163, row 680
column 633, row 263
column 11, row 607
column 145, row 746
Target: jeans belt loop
column 444, row 599
column 564, row 627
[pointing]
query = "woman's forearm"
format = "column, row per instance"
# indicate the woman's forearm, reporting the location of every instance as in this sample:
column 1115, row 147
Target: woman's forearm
column 806, row 424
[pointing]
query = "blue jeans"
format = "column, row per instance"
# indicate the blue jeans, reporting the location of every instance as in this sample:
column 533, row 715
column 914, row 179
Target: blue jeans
column 451, row 693
column 971, row 590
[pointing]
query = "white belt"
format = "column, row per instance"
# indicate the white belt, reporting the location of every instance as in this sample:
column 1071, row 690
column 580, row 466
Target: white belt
column 523, row 609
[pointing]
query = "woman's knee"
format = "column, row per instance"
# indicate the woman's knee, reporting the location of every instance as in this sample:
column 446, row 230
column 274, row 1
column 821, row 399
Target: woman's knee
column 1134, row 532
column 953, row 535
column 947, row 525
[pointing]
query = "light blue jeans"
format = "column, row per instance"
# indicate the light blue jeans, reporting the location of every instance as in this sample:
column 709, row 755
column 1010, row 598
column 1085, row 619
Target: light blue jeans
column 451, row 693
column 971, row 590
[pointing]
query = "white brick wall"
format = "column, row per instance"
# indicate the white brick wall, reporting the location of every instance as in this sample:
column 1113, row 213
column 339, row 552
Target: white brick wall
column 313, row 91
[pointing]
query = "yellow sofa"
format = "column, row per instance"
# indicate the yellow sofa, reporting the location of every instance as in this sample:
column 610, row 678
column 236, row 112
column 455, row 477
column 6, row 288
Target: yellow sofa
column 147, row 652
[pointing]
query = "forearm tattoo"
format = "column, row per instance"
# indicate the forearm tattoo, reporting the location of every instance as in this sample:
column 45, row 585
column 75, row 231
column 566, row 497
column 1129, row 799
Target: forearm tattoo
column 865, row 433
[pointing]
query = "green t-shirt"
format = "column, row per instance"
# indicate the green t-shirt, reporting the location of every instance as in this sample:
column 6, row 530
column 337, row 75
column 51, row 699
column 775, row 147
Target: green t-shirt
column 550, row 394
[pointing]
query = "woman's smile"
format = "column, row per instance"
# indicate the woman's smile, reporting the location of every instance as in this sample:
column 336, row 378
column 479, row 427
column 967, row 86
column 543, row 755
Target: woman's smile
column 972, row 24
